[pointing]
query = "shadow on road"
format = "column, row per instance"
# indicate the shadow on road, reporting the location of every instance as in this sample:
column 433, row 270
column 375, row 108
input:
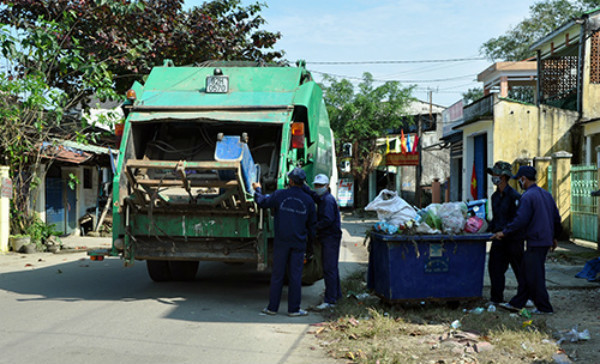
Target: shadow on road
column 220, row 292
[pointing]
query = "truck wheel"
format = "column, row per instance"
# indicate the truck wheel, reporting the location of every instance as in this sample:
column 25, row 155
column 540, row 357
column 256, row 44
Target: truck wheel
column 183, row 270
column 159, row 270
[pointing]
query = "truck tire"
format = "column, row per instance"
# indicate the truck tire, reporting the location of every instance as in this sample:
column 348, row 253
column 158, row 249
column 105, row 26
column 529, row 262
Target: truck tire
column 183, row 270
column 159, row 270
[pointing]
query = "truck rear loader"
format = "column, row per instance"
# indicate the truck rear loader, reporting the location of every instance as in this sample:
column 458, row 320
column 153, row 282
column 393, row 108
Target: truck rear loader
column 193, row 141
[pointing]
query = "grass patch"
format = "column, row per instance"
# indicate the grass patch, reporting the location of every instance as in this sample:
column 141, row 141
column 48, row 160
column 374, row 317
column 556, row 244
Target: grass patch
column 363, row 329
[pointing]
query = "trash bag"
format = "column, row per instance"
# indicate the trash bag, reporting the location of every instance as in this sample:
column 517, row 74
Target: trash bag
column 475, row 225
column 313, row 268
column 424, row 228
column 432, row 219
column 391, row 208
column 385, row 227
column 591, row 270
column 453, row 216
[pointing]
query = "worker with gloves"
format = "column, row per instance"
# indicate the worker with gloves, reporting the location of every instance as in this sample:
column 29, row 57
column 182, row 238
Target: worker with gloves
column 295, row 221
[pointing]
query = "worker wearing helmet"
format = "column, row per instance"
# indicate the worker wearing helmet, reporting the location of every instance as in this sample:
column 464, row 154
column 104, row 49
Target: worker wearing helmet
column 329, row 234
column 295, row 221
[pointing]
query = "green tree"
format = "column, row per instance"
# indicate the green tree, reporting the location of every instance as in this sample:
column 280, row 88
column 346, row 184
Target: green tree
column 130, row 37
column 472, row 94
column 32, row 108
column 544, row 17
column 59, row 54
column 363, row 114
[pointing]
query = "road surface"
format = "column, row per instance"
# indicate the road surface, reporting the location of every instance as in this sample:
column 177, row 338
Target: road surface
column 64, row 308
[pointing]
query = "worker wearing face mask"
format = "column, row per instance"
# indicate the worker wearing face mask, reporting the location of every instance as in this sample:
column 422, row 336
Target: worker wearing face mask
column 509, row 251
column 329, row 234
column 539, row 222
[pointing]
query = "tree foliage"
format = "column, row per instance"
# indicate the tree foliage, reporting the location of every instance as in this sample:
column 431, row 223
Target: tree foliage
column 544, row 17
column 33, row 107
column 363, row 114
column 472, row 94
column 59, row 54
column 130, row 37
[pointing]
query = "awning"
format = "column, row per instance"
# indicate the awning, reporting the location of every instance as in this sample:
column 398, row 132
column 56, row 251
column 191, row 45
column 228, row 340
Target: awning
column 71, row 152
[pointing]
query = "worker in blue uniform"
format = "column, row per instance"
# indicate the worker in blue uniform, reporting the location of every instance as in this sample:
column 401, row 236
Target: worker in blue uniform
column 539, row 221
column 508, row 251
column 295, row 221
column 329, row 235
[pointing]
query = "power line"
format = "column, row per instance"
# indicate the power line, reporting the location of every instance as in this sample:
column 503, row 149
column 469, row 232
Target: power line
column 403, row 81
column 397, row 62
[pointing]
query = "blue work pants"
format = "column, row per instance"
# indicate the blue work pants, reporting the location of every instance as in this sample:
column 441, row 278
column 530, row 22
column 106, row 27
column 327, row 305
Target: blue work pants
column 330, row 248
column 285, row 256
column 502, row 254
column 533, row 285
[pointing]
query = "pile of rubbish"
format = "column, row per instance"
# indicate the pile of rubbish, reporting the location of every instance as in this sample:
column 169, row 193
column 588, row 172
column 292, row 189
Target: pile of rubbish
column 396, row 216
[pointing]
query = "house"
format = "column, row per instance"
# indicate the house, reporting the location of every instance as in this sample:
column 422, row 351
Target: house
column 543, row 112
column 435, row 158
column 75, row 177
column 498, row 126
column 451, row 117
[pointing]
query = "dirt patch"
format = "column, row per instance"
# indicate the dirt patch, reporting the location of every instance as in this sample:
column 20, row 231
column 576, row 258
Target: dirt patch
column 363, row 329
column 577, row 307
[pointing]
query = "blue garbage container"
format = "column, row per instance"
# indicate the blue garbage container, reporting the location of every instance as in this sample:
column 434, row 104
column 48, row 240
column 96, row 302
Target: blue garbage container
column 477, row 208
column 421, row 267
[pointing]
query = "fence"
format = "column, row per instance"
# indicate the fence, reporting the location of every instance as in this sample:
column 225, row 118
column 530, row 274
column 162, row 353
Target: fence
column 584, row 207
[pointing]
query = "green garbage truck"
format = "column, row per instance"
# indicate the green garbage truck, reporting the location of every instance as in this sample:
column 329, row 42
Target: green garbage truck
column 193, row 141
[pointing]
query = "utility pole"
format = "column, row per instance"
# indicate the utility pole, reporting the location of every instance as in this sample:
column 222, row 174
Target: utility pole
column 419, row 149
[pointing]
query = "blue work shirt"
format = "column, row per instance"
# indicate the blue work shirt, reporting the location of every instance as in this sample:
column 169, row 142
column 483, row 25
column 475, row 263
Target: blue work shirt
column 328, row 214
column 295, row 217
column 504, row 208
column 537, row 216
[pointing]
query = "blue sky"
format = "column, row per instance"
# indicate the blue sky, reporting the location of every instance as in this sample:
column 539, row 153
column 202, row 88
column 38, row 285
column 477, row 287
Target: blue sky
column 385, row 30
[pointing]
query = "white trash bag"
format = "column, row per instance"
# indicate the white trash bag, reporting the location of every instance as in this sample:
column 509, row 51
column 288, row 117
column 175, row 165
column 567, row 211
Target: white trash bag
column 453, row 218
column 391, row 208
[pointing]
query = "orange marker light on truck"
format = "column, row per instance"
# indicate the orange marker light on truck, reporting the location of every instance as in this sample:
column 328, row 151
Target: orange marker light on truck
column 119, row 129
column 297, row 135
column 131, row 96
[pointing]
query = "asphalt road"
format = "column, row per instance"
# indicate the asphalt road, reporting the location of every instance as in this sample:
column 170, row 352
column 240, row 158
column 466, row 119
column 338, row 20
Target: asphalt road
column 68, row 309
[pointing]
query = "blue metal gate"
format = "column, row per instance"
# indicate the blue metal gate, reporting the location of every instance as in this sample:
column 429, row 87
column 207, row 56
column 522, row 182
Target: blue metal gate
column 55, row 211
column 480, row 144
column 584, row 207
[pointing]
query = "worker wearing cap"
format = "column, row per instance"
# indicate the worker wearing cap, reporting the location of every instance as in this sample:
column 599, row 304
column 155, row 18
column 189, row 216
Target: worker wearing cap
column 295, row 221
column 508, row 251
column 329, row 234
column 539, row 222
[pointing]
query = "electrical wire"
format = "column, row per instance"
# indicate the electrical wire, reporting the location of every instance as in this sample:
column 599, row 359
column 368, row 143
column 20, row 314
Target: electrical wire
column 403, row 81
column 338, row 63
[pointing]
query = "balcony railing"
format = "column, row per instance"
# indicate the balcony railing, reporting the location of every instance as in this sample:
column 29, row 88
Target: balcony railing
column 479, row 108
